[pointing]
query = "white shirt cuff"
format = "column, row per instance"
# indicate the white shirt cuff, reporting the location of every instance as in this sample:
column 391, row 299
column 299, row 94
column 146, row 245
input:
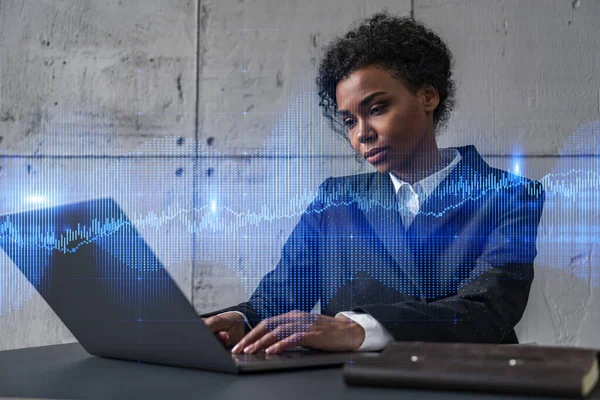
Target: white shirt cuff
column 376, row 336
column 242, row 314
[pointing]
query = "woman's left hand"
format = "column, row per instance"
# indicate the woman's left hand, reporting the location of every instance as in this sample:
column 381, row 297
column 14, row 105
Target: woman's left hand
column 298, row 328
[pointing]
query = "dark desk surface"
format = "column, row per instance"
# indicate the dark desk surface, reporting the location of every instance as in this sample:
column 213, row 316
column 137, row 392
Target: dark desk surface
column 67, row 371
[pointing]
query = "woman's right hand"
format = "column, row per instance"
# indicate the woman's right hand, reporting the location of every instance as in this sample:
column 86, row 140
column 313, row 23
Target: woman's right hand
column 228, row 327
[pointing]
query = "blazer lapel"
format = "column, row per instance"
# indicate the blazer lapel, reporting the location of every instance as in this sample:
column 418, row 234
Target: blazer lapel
column 377, row 200
column 440, row 207
column 451, row 198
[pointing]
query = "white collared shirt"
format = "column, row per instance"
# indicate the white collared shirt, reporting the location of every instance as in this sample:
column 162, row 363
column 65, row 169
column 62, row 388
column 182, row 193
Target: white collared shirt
column 426, row 186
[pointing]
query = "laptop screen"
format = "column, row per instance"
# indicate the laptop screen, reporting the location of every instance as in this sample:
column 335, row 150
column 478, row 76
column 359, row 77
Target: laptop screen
column 97, row 273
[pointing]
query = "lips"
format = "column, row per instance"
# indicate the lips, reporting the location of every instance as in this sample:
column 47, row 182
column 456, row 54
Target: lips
column 376, row 154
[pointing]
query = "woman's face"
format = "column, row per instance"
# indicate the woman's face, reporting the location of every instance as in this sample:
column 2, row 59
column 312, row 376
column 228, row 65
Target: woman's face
column 387, row 124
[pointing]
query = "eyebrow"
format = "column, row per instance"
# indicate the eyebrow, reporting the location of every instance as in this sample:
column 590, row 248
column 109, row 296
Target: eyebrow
column 363, row 102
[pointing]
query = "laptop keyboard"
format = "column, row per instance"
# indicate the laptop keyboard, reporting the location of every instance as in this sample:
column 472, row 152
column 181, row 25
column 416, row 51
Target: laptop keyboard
column 261, row 356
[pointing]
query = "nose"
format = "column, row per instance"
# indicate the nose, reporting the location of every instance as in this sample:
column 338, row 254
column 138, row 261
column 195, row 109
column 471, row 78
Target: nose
column 366, row 133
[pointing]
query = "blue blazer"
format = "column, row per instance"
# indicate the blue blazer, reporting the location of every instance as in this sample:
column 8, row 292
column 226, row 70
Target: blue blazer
column 460, row 273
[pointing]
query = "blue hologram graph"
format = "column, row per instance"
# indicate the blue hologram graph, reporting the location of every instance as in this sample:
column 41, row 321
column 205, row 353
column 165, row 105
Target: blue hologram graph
column 237, row 212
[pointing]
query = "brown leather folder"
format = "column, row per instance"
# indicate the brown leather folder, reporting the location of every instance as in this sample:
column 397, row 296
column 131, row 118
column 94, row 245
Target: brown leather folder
column 521, row 369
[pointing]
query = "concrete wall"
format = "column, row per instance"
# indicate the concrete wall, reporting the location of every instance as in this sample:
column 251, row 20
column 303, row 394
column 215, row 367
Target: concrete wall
column 177, row 108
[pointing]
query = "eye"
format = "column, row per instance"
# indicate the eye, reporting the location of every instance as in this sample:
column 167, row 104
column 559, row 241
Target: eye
column 378, row 109
column 349, row 123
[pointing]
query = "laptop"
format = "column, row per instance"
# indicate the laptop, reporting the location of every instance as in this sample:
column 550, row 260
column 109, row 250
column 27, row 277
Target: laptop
column 103, row 281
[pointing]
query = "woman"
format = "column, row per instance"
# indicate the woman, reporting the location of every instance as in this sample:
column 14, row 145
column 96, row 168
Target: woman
column 435, row 245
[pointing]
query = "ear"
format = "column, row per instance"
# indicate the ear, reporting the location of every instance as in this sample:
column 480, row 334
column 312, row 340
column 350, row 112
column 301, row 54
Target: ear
column 430, row 97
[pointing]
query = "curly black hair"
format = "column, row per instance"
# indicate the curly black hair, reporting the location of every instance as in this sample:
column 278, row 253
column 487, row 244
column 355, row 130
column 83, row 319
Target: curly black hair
column 402, row 46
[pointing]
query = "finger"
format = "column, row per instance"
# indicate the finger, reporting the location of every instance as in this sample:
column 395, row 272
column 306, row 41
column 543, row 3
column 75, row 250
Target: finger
column 223, row 337
column 268, row 325
column 294, row 316
column 294, row 340
column 216, row 323
column 259, row 331
column 276, row 335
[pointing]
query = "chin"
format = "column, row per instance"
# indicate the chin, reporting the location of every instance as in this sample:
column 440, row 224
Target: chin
column 384, row 168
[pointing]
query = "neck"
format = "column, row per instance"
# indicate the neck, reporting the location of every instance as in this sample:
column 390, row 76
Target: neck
column 425, row 162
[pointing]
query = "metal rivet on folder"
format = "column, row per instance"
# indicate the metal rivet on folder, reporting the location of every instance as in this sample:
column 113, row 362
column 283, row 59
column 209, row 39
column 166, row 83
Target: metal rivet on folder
column 512, row 362
column 414, row 358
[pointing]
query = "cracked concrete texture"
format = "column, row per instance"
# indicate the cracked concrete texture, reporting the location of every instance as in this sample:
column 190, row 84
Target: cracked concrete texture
column 526, row 71
column 130, row 67
column 257, row 55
